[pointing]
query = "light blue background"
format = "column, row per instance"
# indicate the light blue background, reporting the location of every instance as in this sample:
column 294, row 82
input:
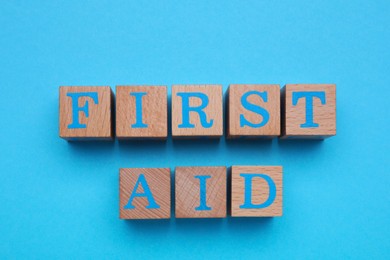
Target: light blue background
column 61, row 200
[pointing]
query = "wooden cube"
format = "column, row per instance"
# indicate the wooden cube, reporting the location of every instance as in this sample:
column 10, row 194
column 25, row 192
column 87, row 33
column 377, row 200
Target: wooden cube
column 200, row 192
column 141, row 112
column 197, row 111
column 256, row 191
column 309, row 111
column 85, row 113
column 144, row 193
column 254, row 111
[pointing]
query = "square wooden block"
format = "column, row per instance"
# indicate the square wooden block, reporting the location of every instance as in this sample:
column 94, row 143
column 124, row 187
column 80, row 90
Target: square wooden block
column 200, row 192
column 141, row 112
column 309, row 111
column 85, row 113
column 254, row 111
column 197, row 110
column 257, row 191
column 144, row 193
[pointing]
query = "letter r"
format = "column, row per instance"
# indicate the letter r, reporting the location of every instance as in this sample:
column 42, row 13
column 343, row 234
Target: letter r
column 186, row 109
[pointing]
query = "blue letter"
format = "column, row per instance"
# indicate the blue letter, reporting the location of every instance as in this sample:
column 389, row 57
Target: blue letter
column 257, row 109
column 147, row 193
column 309, row 104
column 138, row 110
column 76, row 109
column 248, row 191
column 202, row 184
column 186, row 109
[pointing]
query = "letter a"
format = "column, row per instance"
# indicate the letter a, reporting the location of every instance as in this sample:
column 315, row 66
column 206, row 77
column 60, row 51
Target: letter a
column 147, row 193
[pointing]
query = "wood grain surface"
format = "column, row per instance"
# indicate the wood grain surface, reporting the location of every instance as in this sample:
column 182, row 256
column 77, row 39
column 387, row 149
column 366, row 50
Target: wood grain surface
column 323, row 114
column 98, row 123
column 214, row 111
column 159, row 183
column 235, row 109
column 260, row 191
column 154, row 112
column 187, row 192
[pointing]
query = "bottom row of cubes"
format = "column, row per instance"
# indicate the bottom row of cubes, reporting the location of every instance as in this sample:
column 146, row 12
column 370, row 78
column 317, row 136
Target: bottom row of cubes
column 201, row 192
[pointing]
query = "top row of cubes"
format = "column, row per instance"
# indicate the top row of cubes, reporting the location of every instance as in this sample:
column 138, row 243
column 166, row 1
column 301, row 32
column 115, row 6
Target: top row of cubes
column 306, row 111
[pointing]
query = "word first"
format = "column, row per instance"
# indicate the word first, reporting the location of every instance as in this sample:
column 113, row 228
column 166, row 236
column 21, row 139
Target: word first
column 306, row 111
